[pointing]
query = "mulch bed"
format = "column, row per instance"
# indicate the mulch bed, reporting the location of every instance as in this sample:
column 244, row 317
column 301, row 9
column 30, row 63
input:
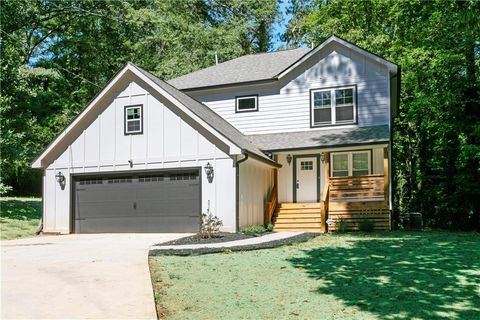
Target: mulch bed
column 265, row 245
column 219, row 237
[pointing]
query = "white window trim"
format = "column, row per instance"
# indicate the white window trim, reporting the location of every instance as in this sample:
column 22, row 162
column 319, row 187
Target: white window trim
column 333, row 105
column 237, row 99
column 130, row 120
column 350, row 161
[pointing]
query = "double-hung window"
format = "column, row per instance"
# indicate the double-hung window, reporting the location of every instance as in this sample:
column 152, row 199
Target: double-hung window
column 133, row 119
column 333, row 106
column 355, row 163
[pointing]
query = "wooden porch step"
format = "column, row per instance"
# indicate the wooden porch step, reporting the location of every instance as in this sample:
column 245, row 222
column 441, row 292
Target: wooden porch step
column 299, row 211
column 302, row 205
column 298, row 215
column 298, row 220
column 298, row 225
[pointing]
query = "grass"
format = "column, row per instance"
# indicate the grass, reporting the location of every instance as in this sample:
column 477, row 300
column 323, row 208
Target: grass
column 19, row 217
column 396, row 275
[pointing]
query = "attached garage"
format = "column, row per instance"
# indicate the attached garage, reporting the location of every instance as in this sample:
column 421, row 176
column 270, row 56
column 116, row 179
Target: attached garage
column 142, row 157
column 159, row 201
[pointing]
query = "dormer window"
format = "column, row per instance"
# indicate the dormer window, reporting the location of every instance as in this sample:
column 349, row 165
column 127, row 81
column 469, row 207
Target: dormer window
column 333, row 106
column 246, row 103
column 134, row 119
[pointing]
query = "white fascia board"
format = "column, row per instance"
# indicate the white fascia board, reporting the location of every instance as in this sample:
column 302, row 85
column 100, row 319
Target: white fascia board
column 390, row 66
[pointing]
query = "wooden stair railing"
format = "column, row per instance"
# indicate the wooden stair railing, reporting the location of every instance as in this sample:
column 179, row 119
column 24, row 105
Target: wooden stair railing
column 324, row 207
column 271, row 205
column 354, row 199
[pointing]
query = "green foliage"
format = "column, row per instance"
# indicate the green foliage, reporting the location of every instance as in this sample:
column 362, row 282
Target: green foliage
column 341, row 225
column 436, row 141
column 366, row 225
column 256, row 229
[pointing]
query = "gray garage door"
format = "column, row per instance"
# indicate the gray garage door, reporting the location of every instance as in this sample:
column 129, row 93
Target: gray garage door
column 159, row 202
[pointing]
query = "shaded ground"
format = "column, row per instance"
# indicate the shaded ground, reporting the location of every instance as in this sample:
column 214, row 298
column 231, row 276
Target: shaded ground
column 434, row 275
column 19, row 217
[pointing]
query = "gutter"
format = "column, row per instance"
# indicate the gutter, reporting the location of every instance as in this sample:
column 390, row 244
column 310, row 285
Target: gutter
column 257, row 157
column 237, row 189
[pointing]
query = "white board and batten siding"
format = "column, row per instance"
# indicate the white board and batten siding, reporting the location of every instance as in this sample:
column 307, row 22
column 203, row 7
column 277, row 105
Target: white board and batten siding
column 255, row 185
column 168, row 141
column 285, row 105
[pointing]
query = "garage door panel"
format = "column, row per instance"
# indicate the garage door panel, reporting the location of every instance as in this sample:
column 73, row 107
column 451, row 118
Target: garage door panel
column 139, row 225
column 107, row 209
column 161, row 202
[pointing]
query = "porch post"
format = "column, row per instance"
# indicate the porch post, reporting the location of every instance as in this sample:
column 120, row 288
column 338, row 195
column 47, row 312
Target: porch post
column 386, row 188
column 324, row 199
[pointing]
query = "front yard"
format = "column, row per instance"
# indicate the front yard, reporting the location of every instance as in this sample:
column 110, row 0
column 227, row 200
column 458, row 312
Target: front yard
column 19, row 217
column 396, row 275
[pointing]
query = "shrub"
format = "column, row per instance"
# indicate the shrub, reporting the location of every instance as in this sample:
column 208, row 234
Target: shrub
column 4, row 189
column 366, row 225
column 341, row 225
column 256, row 229
column 209, row 225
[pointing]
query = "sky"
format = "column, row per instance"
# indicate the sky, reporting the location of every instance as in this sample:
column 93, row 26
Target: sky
column 280, row 26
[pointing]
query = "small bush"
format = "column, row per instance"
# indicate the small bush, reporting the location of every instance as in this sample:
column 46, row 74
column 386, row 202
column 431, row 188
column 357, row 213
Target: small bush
column 209, row 225
column 366, row 225
column 255, row 229
column 270, row 227
column 341, row 225
column 4, row 189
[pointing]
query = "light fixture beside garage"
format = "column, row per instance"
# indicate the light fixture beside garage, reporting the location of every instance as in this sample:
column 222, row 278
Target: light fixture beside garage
column 209, row 171
column 60, row 179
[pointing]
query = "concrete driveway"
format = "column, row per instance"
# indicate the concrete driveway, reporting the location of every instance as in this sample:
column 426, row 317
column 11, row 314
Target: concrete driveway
column 98, row 276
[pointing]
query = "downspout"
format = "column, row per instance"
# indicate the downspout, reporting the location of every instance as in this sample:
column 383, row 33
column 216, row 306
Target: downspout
column 237, row 191
column 391, row 167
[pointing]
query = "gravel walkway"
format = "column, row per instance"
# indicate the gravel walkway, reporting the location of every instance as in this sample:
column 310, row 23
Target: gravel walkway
column 270, row 240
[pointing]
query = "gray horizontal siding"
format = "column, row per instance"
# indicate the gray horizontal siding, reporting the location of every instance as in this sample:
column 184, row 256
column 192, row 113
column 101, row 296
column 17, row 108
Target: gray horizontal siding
column 285, row 106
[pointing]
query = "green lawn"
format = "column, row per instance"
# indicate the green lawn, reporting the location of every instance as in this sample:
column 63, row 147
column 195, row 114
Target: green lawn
column 429, row 275
column 19, row 217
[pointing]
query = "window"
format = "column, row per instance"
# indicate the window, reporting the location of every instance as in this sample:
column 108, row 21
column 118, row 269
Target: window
column 356, row 163
column 246, row 103
column 133, row 119
column 306, row 165
column 333, row 106
column 340, row 165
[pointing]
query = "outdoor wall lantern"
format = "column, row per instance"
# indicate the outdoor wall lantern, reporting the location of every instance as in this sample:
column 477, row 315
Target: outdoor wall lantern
column 60, row 179
column 289, row 158
column 209, row 171
column 322, row 157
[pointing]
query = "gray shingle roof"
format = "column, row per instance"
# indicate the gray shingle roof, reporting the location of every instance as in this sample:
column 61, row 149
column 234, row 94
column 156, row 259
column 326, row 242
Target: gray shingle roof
column 209, row 116
column 254, row 67
column 320, row 138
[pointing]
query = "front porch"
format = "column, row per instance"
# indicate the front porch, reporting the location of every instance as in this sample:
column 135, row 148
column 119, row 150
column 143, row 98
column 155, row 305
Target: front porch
column 342, row 200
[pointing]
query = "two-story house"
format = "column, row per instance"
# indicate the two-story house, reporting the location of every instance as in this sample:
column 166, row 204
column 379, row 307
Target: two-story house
column 299, row 138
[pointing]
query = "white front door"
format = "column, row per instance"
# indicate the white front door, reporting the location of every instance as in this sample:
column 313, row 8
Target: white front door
column 306, row 183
